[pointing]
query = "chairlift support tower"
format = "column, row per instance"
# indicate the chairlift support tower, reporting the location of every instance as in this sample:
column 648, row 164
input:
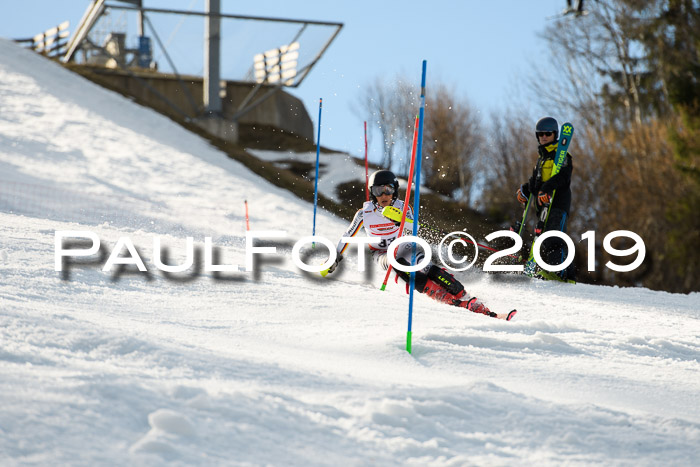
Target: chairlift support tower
column 212, row 58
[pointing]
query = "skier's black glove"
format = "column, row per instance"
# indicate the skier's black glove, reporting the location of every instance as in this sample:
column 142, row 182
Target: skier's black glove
column 330, row 270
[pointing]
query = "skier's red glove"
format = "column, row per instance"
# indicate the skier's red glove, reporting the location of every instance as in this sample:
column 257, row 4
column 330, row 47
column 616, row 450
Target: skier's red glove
column 544, row 198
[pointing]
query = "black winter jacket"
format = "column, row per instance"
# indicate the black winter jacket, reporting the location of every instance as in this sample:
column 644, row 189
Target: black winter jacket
column 560, row 182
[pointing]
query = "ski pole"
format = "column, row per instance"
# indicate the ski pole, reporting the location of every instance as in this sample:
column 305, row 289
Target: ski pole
column 519, row 225
column 392, row 213
column 541, row 223
column 408, row 194
column 445, row 232
column 318, row 153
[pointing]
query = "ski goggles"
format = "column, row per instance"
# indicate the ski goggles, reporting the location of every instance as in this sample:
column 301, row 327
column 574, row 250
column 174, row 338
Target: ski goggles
column 379, row 190
column 544, row 133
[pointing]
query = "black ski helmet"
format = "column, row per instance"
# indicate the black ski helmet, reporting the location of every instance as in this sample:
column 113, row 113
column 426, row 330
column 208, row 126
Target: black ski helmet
column 383, row 177
column 547, row 124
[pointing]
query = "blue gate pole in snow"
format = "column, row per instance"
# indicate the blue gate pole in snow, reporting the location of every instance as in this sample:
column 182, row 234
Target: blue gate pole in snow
column 416, row 207
column 318, row 153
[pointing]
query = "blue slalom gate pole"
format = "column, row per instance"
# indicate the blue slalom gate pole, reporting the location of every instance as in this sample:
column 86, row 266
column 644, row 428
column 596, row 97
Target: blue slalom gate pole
column 318, row 153
column 416, row 207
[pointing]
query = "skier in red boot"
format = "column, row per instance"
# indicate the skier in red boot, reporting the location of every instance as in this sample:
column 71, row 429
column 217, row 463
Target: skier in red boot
column 432, row 280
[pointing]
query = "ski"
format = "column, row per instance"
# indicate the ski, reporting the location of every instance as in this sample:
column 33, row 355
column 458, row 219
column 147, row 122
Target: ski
column 551, row 276
column 506, row 316
column 475, row 306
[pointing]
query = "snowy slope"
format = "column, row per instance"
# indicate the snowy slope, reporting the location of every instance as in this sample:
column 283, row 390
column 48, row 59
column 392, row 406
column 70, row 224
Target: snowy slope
column 280, row 367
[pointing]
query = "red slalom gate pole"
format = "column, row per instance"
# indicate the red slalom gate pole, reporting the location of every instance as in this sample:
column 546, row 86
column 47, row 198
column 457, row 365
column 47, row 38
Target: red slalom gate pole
column 247, row 223
column 408, row 193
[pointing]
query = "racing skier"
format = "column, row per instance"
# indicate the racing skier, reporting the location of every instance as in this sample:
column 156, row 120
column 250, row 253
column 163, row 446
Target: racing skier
column 432, row 280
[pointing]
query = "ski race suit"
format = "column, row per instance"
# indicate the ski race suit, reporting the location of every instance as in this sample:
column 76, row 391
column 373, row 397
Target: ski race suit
column 385, row 231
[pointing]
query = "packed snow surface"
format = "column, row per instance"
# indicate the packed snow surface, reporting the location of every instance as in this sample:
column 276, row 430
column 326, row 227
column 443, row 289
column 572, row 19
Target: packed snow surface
column 279, row 366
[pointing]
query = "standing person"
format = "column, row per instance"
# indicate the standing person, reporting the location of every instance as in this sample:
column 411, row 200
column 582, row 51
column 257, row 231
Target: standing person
column 542, row 185
column 431, row 280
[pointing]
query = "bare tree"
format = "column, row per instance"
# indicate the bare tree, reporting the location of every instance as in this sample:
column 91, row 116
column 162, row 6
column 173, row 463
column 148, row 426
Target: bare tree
column 451, row 133
column 597, row 70
column 452, row 140
column 507, row 162
column 388, row 107
column 608, row 72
